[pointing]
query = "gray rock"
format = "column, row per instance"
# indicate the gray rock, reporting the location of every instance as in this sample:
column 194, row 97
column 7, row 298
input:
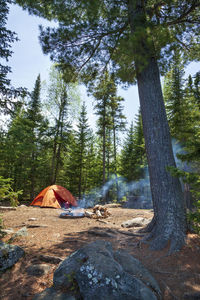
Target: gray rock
column 7, row 231
column 99, row 273
column 134, row 267
column 52, row 294
column 32, row 219
column 21, row 232
column 191, row 296
column 9, row 255
column 4, row 208
column 135, row 222
column 51, row 259
column 65, row 273
column 38, row 270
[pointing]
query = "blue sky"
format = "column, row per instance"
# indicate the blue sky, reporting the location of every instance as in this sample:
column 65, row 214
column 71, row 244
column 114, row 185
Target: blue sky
column 28, row 61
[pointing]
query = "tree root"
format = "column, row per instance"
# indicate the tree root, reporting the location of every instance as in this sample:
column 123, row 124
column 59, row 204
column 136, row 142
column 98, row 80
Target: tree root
column 169, row 290
column 149, row 227
column 159, row 237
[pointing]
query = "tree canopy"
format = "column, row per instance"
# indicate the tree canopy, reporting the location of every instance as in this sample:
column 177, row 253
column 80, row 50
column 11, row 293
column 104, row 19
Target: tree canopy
column 93, row 34
column 7, row 37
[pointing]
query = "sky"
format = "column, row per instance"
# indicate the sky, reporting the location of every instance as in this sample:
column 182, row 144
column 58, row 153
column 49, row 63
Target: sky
column 28, row 61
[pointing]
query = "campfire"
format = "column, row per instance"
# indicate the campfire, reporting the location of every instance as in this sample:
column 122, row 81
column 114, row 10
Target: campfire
column 73, row 213
column 98, row 212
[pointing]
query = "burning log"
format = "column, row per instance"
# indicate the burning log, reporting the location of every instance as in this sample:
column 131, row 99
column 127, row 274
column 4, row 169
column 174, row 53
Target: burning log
column 88, row 214
column 99, row 212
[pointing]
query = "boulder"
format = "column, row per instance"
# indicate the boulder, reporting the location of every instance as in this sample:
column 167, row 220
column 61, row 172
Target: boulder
column 7, row 231
column 97, row 272
column 21, row 232
column 38, row 269
column 9, row 255
column 50, row 259
column 134, row 267
column 135, row 222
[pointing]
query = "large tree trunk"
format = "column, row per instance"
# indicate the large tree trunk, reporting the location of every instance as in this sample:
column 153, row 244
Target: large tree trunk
column 169, row 222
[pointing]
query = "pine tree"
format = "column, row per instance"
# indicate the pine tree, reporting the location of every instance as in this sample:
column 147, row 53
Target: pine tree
column 37, row 127
column 197, row 88
column 127, row 159
column 118, row 122
column 24, row 145
column 82, row 143
column 174, row 96
column 15, row 151
column 103, row 93
column 8, row 94
column 60, row 100
column 133, row 156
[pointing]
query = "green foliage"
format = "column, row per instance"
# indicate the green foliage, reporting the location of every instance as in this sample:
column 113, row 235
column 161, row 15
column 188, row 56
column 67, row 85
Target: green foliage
column 93, row 34
column 7, row 38
column 111, row 121
column 7, row 192
column 133, row 156
column 80, row 155
column 194, row 180
column 174, row 96
column 63, row 104
column 194, row 217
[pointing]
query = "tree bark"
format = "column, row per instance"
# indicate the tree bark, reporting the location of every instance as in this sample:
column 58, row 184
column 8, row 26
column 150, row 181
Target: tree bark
column 169, row 222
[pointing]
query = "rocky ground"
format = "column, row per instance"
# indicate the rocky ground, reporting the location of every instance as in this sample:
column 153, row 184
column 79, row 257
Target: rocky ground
column 45, row 234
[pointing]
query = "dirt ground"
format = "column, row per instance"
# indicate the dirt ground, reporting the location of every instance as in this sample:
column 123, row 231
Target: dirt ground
column 177, row 274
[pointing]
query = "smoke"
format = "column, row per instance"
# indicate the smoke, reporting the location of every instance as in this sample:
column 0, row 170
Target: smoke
column 134, row 194
column 178, row 148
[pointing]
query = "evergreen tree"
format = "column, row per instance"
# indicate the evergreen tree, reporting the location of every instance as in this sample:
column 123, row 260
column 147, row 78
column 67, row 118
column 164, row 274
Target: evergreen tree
column 133, row 156
column 131, row 36
column 139, row 149
column 127, row 160
column 104, row 90
column 118, row 122
column 93, row 164
column 37, row 127
column 174, row 96
column 60, row 100
column 197, row 88
column 7, row 37
column 24, row 145
column 13, row 154
column 82, row 142
column 192, row 114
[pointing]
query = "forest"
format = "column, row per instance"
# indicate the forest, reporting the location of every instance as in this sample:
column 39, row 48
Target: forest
column 48, row 139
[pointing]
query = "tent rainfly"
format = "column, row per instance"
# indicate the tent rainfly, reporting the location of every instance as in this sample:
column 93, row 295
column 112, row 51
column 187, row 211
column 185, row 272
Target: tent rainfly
column 55, row 196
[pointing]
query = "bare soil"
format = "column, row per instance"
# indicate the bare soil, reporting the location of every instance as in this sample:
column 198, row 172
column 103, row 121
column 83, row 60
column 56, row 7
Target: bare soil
column 176, row 274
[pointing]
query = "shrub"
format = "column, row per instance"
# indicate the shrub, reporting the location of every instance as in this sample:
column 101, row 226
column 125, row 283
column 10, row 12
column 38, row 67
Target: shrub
column 193, row 179
column 7, row 193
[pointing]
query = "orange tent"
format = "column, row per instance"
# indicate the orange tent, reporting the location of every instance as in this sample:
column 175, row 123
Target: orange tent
column 55, row 196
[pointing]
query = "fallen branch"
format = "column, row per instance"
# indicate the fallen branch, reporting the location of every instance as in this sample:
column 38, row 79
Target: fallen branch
column 130, row 233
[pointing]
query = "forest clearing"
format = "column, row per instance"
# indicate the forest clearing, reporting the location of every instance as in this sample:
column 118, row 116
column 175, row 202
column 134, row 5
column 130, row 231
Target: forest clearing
column 69, row 133
column 177, row 274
